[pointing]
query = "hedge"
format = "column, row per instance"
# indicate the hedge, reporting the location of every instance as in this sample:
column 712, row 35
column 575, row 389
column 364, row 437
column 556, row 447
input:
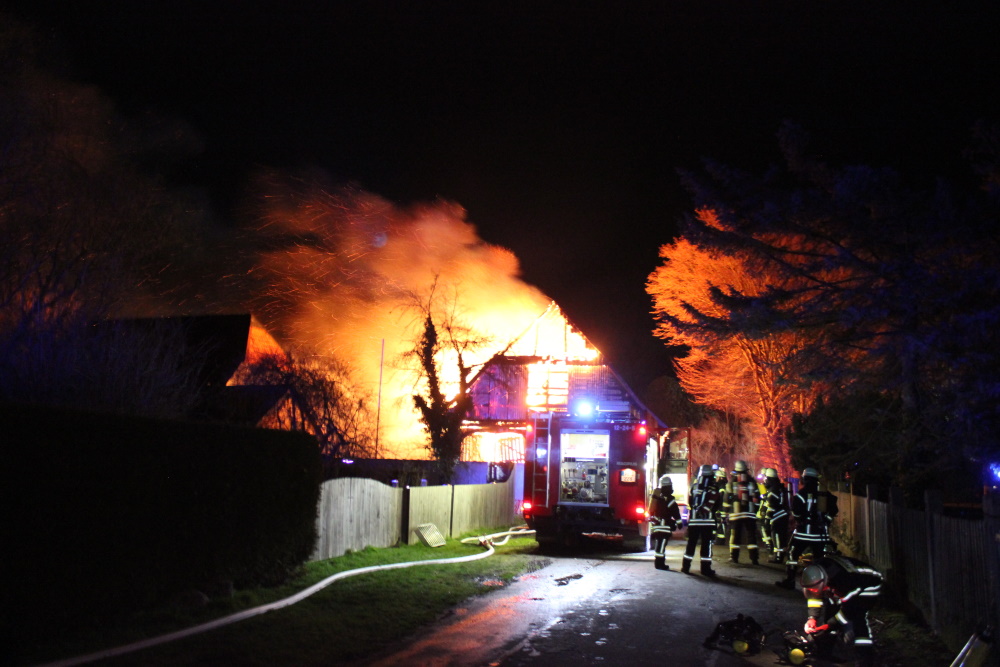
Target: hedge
column 109, row 514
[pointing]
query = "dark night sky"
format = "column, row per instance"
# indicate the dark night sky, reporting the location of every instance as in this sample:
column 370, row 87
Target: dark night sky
column 557, row 125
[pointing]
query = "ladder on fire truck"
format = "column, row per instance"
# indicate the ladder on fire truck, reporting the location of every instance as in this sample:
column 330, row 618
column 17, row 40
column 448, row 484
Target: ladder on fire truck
column 542, row 427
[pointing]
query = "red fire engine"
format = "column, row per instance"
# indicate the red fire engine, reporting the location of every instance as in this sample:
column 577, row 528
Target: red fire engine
column 588, row 477
column 592, row 452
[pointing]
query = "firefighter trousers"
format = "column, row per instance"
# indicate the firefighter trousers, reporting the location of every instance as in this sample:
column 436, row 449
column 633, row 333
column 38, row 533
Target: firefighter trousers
column 706, row 536
column 779, row 538
column 660, row 535
column 743, row 532
column 798, row 547
column 853, row 616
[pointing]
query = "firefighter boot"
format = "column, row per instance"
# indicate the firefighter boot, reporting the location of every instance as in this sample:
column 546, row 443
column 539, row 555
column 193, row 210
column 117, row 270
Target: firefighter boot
column 754, row 557
column 659, row 563
column 706, row 569
column 734, row 555
column 686, row 565
column 789, row 580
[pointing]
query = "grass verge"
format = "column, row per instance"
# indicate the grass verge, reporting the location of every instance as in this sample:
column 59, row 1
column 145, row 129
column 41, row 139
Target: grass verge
column 905, row 642
column 349, row 620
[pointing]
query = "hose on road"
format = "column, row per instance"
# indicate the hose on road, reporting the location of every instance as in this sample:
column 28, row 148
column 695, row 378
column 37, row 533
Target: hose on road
column 486, row 541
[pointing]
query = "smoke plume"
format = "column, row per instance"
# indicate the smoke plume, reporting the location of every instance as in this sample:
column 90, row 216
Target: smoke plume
column 337, row 272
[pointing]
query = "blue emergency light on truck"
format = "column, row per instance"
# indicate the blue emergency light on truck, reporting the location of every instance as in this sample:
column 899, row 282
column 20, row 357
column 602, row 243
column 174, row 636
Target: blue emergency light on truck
column 587, row 477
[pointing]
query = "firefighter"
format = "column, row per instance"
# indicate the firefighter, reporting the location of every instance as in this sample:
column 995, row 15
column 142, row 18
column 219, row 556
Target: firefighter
column 765, row 525
column 814, row 511
column 744, row 499
column 722, row 516
column 703, row 501
column 775, row 507
column 839, row 592
column 664, row 515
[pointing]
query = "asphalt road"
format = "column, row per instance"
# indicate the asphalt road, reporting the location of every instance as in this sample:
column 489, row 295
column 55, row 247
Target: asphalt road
column 601, row 607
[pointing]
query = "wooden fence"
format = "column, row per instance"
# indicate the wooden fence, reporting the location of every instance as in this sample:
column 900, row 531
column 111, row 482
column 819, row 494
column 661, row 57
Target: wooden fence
column 355, row 513
column 947, row 567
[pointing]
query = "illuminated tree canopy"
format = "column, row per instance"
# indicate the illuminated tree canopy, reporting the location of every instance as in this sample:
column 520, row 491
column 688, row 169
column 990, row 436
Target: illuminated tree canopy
column 833, row 283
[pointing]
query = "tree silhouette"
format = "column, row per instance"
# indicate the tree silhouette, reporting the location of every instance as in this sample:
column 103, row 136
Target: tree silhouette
column 322, row 399
column 444, row 337
column 81, row 228
column 885, row 290
column 732, row 367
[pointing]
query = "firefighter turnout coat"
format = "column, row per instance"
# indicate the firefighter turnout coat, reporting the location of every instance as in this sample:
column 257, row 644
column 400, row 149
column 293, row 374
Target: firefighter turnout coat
column 852, row 588
column 664, row 515
column 663, row 510
column 814, row 510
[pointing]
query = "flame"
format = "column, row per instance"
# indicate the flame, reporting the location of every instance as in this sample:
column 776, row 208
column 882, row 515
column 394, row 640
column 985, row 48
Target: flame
column 261, row 344
column 492, row 447
column 338, row 277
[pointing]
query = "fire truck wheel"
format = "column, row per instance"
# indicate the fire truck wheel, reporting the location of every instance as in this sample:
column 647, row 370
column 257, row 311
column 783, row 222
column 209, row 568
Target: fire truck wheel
column 634, row 544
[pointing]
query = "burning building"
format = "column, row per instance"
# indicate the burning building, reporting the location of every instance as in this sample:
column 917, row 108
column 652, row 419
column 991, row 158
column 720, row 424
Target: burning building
column 551, row 369
column 589, row 449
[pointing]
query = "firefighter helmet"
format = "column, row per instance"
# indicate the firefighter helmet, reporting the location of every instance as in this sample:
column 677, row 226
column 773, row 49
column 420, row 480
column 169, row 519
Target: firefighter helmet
column 770, row 473
column 720, row 473
column 813, row 576
column 741, row 466
column 666, row 481
column 810, row 472
column 706, row 470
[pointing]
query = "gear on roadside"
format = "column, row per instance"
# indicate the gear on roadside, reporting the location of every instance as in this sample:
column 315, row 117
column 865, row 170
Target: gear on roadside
column 742, row 634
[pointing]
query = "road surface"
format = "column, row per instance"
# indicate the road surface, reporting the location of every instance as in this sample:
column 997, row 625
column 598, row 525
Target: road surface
column 608, row 608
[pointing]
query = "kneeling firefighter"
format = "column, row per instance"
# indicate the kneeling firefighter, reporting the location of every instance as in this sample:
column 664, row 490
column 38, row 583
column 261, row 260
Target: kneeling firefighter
column 664, row 515
column 841, row 591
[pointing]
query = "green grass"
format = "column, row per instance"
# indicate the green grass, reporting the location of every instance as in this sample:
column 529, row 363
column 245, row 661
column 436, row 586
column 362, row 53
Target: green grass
column 350, row 619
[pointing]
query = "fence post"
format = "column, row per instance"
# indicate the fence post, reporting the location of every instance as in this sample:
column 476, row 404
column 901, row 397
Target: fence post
column 854, row 529
column 871, row 494
column 991, row 519
column 933, row 506
column 404, row 528
column 451, row 513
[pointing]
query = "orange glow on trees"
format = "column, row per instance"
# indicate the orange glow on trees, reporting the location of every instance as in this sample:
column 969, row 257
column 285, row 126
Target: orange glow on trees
column 728, row 369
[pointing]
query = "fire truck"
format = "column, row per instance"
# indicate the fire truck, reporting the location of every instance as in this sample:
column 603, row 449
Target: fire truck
column 592, row 452
column 589, row 476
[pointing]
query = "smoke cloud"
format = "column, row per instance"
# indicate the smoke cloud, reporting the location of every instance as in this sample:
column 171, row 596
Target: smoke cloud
column 335, row 272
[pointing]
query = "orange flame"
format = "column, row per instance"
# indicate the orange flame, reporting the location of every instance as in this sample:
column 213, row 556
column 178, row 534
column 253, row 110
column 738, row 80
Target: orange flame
column 341, row 276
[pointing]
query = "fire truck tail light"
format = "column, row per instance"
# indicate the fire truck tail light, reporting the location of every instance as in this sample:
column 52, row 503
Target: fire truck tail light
column 526, row 505
column 640, row 510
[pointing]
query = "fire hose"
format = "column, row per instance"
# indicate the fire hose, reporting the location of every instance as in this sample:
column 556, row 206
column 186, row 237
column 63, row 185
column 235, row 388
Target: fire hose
column 486, row 541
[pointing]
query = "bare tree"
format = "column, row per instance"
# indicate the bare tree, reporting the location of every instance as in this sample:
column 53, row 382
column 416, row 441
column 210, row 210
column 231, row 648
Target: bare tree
column 444, row 339
column 80, row 225
column 321, row 399
column 722, row 439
